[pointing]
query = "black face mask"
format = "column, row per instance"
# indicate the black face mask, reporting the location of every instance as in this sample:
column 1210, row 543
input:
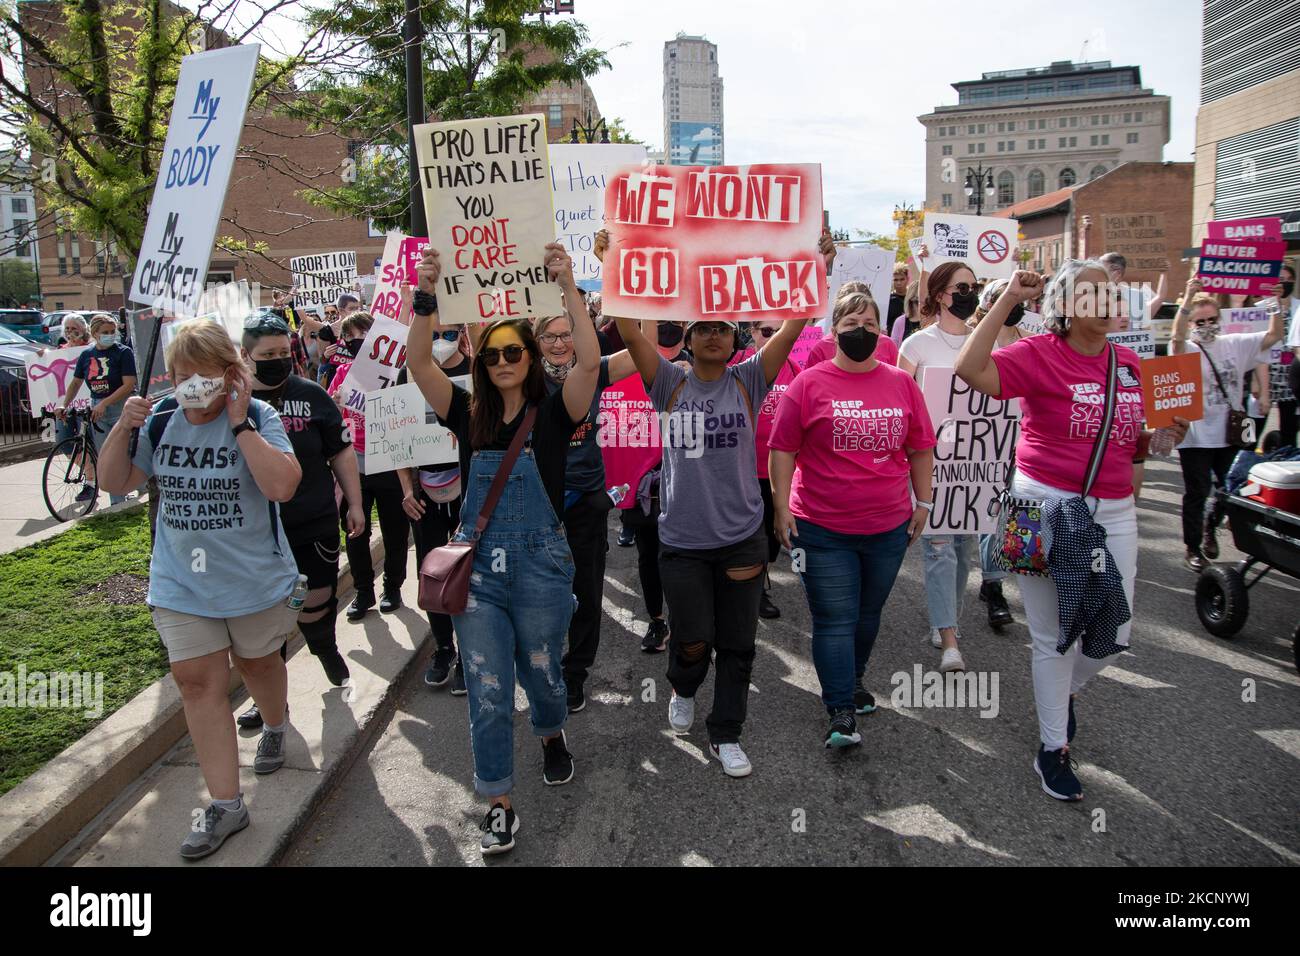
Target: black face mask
column 272, row 372
column 353, row 347
column 669, row 335
column 963, row 306
column 1017, row 313
column 858, row 344
column 1287, row 289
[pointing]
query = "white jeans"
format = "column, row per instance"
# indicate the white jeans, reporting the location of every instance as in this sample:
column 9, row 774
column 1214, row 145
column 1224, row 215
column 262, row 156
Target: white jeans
column 1057, row 676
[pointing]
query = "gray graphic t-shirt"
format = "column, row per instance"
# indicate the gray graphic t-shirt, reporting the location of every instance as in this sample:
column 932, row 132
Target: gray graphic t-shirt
column 709, row 496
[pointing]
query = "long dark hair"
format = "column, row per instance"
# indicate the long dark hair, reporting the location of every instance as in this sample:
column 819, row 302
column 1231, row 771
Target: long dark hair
column 486, row 408
column 936, row 284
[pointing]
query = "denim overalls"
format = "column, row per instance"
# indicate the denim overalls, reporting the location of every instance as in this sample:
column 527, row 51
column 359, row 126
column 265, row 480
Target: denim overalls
column 517, row 618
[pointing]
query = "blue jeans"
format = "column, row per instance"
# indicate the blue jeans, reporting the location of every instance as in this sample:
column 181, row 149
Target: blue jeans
column 100, row 434
column 947, row 565
column 515, row 624
column 847, row 578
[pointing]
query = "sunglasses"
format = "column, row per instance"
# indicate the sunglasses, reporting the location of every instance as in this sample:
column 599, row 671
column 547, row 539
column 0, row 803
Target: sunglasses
column 512, row 354
column 710, row 329
column 962, row 288
column 447, row 336
column 1201, row 323
column 766, row 331
column 550, row 338
column 266, row 325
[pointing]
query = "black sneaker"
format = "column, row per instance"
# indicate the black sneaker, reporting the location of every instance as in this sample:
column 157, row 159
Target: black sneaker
column 250, row 719
column 626, row 537
column 1194, row 561
column 499, row 828
column 766, row 608
column 391, row 602
column 863, row 701
column 1071, row 727
column 1210, row 544
column 577, row 698
column 999, row 613
column 458, row 680
column 557, row 766
column 439, row 671
column 1056, row 771
column 336, row 668
column 656, row 636
column 843, row 731
column 362, row 603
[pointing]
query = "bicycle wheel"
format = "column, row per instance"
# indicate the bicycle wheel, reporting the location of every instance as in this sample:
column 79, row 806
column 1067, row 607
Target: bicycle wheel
column 69, row 480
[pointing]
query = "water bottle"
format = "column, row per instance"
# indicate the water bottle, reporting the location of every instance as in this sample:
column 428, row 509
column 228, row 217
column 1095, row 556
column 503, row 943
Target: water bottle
column 299, row 596
column 618, row 493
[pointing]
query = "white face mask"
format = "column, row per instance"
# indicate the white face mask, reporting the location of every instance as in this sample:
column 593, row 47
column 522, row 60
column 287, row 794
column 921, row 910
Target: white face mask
column 443, row 350
column 197, row 391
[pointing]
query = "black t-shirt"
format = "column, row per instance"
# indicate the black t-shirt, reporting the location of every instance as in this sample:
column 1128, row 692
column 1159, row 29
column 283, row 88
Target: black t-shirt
column 103, row 369
column 315, row 429
column 895, row 309
column 550, row 442
column 585, row 470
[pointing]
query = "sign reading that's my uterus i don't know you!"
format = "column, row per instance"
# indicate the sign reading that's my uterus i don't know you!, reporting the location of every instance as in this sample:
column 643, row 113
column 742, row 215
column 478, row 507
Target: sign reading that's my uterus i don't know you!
column 198, row 155
column 487, row 198
column 720, row 242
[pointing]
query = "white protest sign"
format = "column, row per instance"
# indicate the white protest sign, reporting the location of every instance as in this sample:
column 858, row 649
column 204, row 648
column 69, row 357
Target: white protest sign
column 976, row 438
column 487, row 199
column 1032, row 323
column 387, row 299
column 984, row 243
column 1140, row 342
column 870, row 264
column 48, row 376
column 198, row 155
column 1243, row 320
column 579, row 174
column 381, row 357
column 398, row 435
column 321, row 278
column 228, row 304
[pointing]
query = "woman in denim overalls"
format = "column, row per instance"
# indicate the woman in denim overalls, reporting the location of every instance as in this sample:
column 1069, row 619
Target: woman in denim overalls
column 521, row 590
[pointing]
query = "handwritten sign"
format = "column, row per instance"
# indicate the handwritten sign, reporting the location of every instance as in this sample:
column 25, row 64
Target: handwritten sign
column 983, row 243
column 870, row 264
column 48, row 376
column 579, row 176
column 321, row 278
column 398, row 434
column 720, row 242
column 381, row 358
column 1140, row 237
column 487, row 197
column 1171, row 385
column 627, row 433
column 1140, row 342
column 401, row 256
column 972, row 460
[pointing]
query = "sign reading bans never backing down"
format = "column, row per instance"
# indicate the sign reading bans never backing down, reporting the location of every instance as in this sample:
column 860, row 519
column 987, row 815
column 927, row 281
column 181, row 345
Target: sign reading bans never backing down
column 721, row 242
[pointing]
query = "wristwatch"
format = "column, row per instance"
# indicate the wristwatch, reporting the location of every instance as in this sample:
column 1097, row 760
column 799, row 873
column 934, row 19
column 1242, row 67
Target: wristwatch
column 247, row 425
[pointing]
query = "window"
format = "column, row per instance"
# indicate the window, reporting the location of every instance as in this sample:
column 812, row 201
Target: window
column 21, row 246
column 1037, row 183
column 1062, row 122
column 1011, row 146
column 1095, row 120
column 1067, row 178
column 1002, row 146
column 979, row 147
column 1105, row 139
column 1060, row 144
column 18, row 204
column 947, row 150
column 1128, row 117
column 1002, row 127
column 1074, row 121
column 940, row 133
column 555, row 114
column 1042, row 124
column 970, row 130
column 947, row 201
column 1056, row 256
column 1098, row 170
column 1031, row 144
column 1006, row 189
column 970, row 148
column 1132, row 138
column 981, row 127
column 1105, row 120
column 1137, row 117
column 1042, row 144
column 1011, row 127
column 1093, row 141
column 1074, row 141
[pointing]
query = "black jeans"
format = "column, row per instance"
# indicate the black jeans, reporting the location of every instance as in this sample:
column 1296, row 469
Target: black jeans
column 645, row 531
column 712, row 611
column 433, row 531
column 385, row 492
column 587, row 528
column 769, row 519
column 1203, row 468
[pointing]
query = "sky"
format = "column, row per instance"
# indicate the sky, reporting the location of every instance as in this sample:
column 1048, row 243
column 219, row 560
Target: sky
column 841, row 82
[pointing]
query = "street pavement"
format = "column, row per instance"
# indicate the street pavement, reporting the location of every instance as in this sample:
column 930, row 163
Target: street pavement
column 24, row 518
column 1178, row 769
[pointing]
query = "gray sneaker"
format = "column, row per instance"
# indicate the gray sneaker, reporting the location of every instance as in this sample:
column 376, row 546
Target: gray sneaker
column 270, row 752
column 217, row 824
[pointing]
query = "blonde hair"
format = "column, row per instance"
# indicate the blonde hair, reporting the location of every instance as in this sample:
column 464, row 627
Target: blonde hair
column 99, row 318
column 852, row 304
column 541, row 322
column 202, row 343
column 1203, row 298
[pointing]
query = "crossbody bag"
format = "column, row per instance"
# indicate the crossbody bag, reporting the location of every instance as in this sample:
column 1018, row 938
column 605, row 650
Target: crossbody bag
column 1240, row 431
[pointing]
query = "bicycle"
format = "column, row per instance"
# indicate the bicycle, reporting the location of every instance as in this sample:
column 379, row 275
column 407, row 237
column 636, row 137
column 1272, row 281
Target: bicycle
column 71, row 475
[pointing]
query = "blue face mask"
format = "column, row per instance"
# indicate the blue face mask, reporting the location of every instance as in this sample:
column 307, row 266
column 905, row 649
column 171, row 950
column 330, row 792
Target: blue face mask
column 107, row 341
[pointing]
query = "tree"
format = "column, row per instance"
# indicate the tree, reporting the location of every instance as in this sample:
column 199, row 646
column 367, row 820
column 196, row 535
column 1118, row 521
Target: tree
column 618, row 132
column 18, row 284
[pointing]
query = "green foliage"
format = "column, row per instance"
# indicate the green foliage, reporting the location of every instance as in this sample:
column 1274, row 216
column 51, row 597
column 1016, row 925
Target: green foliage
column 18, row 284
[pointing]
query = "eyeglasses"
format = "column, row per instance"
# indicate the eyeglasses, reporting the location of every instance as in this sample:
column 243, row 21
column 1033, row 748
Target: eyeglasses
column 266, row 325
column 766, row 331
column 550, row 338
column 512, row 353
column 710, row 329
column 962, row 288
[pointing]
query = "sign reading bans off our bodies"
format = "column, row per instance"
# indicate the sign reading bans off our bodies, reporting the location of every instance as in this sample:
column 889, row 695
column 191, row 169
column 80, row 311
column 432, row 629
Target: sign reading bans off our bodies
column 320, row 279
column 720, row 242
column 976, row 438
column 487, row 198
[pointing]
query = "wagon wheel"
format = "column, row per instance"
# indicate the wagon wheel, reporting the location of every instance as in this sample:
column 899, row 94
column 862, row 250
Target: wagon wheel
column 1221, row 600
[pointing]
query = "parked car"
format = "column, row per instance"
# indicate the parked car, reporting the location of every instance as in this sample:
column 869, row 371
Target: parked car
column 15, row 409
column 28, row 323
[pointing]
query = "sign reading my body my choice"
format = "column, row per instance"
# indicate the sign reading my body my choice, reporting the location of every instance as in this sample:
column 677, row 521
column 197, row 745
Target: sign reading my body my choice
column 199, row 153
column 720, row 242
column 487, row 198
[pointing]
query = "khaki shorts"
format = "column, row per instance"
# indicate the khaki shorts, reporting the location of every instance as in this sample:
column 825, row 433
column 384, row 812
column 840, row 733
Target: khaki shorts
column 251, row 636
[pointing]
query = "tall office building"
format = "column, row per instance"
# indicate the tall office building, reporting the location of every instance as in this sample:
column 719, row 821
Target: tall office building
column 692, row 102
column 1040, row 130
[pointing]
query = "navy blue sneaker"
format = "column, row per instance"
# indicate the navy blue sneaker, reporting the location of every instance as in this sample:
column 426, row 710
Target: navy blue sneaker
column 1071, row 727
column 843, row 731
column 1056, row 771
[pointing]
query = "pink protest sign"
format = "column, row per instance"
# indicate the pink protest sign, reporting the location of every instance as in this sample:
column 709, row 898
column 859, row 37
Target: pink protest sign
column 1241, row 267
column 1245, row 230
column 401, row 256
column 628, row 435
column 809, row 337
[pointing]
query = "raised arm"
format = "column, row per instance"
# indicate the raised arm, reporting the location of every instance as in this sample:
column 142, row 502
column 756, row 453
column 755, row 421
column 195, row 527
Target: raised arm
column 1178, row 334
column 621, row 365
column 434, row 384
column 975, row 360
column 645, row 357
column 1276, row 328
column 580, row 384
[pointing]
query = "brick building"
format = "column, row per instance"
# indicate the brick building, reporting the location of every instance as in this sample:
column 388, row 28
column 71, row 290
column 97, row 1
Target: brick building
column 563, row 104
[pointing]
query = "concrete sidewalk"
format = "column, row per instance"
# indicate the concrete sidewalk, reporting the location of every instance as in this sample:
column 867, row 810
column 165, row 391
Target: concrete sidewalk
column 24, row 519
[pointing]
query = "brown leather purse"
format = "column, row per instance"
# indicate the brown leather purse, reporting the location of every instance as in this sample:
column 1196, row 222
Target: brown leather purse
column 445, row 571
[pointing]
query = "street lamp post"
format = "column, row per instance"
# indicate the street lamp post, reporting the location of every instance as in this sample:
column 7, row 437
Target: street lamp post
column 979, row 183
column 589, row 131
column 412, row 36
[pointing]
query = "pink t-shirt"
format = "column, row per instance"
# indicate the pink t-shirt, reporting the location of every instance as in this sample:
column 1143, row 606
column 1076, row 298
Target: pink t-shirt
column 628, row 435
column 849, row 432
column 1062, row 396
column 886, row 351
column 766, row 414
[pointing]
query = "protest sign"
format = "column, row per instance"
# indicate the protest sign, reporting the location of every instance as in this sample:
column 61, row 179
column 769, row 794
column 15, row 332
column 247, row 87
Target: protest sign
column 721, row 242
column 1140, row 342
column 579, row 175
column 1245, row 230
column 198, row 155
column 870, row 264
column 397, row 435
column 1032, row 323
column 1242, row 320
column 627, row 432
column 228, row 304
column 803, row 345
column 1171, row 385
column 1140, row 237
column 487, row 198
column 1249, row 267
column 321, row 278
column 380, row 359
column 48, row 376
column 983, row 243
column 972, row 460
column 401, row 256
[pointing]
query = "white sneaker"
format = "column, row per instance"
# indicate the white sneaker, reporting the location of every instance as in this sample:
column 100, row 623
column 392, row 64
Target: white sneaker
column 951, row 661
column 681, row 713
column 734, row 761
column 935, row 639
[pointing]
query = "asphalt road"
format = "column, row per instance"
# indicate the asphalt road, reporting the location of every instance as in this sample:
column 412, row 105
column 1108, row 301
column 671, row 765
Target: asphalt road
column 1177, row 768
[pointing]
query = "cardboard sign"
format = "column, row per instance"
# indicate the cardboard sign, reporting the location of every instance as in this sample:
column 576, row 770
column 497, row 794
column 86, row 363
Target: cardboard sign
column 1242, row 268
column 320, row 279
column 983, row 243
column 1140, row 237
column 397, row 433
column 382, row 356
column 487, row 198
column 579, row 175
column 48, row 376
column 1140, row 342
column 1171, row 385
column 627, row 432
column 401, row 256
column 720, row 242
column 870, row 264
column 972, row 460
column 1245, row 230
column 202, row 137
